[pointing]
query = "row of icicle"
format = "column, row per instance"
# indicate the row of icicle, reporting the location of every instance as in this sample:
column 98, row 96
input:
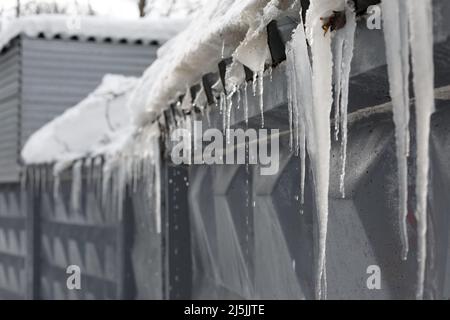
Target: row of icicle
column 314, row 79
column 318, row 78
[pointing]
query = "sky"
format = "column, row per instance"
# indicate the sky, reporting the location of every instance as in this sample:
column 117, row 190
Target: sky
column 116, row 8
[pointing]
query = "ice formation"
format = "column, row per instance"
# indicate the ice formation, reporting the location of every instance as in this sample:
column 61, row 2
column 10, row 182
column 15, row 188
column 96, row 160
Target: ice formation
column 421, row 25
column 318, row 70
column 410, row 24
column 397, row 54
column 103, row 116
column 344, row 44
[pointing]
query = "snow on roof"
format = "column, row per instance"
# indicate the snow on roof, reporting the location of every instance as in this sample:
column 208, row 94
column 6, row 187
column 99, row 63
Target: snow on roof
column 95, row 126
column 224, row 28
column 50, row 26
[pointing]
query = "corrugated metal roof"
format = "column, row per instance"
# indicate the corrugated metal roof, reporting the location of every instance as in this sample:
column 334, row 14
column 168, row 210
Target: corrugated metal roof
column 9, row 112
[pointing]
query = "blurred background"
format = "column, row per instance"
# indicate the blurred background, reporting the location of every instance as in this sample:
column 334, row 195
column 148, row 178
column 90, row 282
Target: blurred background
column 10, row 9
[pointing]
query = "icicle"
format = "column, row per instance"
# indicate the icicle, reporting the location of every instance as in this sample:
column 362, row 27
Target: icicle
column 106, row 185
column 348, row 35
column 302, row 150
column 56, row 185
column 296, row 105
column 77, row 171
column 271, row 73
column 89, row 174
column 421, row 24
column 223, row 49
column 337, row 73
column 254, row 83
column 98, row 170
column 238, row 103
column 221, row 102
column 228, row 113
column 397, row 54
column 318, row 119
column 157, row 157
column 261, row 95
column 224, row 108
column 208, row 116
column 290, row 86
column 246, row 103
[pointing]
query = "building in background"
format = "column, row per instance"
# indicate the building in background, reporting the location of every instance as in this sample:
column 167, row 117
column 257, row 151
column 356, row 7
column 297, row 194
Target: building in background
column 48, row 64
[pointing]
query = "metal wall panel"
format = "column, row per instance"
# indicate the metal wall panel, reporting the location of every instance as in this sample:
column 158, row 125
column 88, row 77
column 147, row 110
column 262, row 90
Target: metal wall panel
column 9, row 111
column 12, row 244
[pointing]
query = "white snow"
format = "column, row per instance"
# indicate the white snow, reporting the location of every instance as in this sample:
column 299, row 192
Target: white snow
column 96, row 125
column 146, row 30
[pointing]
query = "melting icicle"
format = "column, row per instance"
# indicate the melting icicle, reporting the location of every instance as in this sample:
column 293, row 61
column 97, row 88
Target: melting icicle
column 246, row 103
column 228, row 113
column 261, row 95
column 290, row 74
column 337, row 74
column 106, row 185
column 238, row 104
column 254, row 83
column 157, row 156
column 397, row 54
column 56, row 185
column 317, row 120
column 76, row 185
column 223, row 110
column 296, row 113
column 345, row 38
column 421, row 26
column 223, row 49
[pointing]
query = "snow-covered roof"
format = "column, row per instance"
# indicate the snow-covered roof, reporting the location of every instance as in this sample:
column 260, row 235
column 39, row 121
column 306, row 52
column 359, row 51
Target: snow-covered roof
column 223, row 28
column 95, row 125
column 92, row 27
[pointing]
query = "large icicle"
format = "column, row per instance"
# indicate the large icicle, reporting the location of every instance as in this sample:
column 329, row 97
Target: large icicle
column 322, row 65
column 296, row 102
column 421, row 25
column 395, row 21
column 348, row 36
column 314, row 96
column 344, row 44
column 157, row 187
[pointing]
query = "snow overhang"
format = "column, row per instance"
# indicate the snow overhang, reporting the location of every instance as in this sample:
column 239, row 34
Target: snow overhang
column 96, row 126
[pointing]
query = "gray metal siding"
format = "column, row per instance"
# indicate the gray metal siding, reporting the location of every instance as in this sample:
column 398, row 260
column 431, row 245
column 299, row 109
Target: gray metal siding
column 57, row 74
column 9, row 112
column 12, row 244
